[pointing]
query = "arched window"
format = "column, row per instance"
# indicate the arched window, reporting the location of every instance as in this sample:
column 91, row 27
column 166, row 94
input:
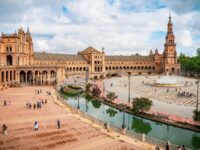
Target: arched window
column 9, row 60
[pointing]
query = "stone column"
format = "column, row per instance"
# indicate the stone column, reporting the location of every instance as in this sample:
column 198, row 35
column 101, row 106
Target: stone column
column 13, row 79
column 48, row 78
column 33, row 79
column 8, row 83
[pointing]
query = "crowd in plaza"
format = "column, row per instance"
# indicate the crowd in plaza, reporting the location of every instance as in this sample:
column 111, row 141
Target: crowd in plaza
column 185, row 94
column 36, row 105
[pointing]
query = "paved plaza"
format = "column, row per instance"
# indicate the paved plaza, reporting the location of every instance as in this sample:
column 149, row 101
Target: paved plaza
column 75, row 133
column 164, row 99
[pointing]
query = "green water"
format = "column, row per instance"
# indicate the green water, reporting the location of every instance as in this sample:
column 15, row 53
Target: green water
column 136, row 124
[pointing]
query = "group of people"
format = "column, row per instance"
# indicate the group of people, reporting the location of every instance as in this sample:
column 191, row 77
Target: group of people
column 36, row 125
column 37, row 105
column 184, row 94
column 181, row 147
column 38, row 91
column 167, row 147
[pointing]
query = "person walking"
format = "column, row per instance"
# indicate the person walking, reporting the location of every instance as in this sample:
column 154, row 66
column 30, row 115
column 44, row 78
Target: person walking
column 36, row 125
column 167, row 147
column 34, row 106
column 58, row 124
column 5, row 103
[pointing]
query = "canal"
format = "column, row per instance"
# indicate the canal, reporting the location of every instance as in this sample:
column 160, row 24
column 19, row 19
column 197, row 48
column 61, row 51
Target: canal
column 107, row 114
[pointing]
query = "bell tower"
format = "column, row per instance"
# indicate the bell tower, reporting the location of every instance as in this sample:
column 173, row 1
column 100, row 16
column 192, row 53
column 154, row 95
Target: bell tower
column 170, row 56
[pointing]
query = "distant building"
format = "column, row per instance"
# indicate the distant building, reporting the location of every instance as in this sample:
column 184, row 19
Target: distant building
column 20, row 64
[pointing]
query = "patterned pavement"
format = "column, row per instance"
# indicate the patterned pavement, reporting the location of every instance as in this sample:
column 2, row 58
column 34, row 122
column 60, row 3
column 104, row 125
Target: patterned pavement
column 74, row 134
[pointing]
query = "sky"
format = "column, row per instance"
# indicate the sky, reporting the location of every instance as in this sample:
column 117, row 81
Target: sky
column 121, row 27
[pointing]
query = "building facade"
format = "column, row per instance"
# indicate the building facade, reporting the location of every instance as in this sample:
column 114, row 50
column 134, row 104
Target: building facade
column 20, row 64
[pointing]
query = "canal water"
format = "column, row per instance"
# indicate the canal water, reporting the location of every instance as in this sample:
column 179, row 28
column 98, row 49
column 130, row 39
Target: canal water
column 100, row 111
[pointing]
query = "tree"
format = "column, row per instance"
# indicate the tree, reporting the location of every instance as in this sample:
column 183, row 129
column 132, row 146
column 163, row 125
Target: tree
column 140, row 126
column 95, row 77
column 96, row 91
column 111, row 96
column 88, row 87
column 198, row 52
column 190, row 65
column 141, row 104
column 111, row 112
column 196, row 115
column 96, row 103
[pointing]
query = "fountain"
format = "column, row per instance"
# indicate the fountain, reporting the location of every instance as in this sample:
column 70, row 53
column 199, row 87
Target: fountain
column 167, row 81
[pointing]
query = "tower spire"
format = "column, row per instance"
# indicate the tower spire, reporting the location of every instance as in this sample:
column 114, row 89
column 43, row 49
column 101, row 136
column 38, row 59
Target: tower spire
column 170, row 17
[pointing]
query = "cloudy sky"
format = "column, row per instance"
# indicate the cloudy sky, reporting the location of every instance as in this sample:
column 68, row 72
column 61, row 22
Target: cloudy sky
column 120, row 26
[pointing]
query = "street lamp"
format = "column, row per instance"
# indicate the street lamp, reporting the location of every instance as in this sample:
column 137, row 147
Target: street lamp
column 123, row 125
column 129, row 87
column 78, row 107
column 197, row 106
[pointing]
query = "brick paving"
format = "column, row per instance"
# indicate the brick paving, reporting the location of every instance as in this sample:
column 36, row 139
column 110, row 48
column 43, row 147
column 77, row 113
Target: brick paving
column 73, row 134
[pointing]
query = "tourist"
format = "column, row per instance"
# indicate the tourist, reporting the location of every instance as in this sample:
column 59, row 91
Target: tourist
column 5, row 129
column 34, row 105
column 183, row 147
column 45, row 101
column 5, row 103
column 179, row 148
column 27, row 104
column 36, row 125
column 167, row 147
column 58, row 124
column 30, row 105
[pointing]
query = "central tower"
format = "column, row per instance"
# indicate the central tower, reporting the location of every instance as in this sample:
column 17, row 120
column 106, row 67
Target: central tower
column 170, row 45
column 169, row 54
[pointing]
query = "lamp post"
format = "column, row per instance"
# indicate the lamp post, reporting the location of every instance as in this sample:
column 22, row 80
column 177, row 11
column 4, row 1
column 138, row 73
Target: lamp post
column 78, row 107
column 197, row 106
column 123, row 124
column 129, row 87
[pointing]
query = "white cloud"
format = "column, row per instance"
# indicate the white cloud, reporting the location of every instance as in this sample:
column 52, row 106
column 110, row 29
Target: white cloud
column 99, row 24
column 184, row 38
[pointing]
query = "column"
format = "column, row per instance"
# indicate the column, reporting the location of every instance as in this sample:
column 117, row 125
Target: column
column 13, row 79
column 8, row 78
column 33, row 79
column 25, row 77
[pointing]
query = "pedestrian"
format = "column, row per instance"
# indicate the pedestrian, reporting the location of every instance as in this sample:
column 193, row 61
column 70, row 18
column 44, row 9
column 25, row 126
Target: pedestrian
column 5, row 129
column 157, row 148
column 179, row 148
column 58, row 124
column 30, row 105
column 167, row 147
column 4, row 102
column 183, row 147
column 27, row 104
column 36, row 125
column 34, row 105
column 45, row 101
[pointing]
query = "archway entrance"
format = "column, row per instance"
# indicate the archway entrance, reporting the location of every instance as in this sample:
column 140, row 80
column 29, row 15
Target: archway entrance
column 9, row 60
column 22, row 76
column 173, row 70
